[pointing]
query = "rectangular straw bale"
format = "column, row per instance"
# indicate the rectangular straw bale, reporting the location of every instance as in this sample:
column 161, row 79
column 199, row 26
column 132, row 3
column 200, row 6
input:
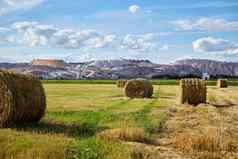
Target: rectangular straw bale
column 222, row 83
column 193, row 91
column 121, row 83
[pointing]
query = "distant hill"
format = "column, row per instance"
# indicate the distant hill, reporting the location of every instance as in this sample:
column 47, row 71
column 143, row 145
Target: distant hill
column 124, row 68
column 49, row 62
column 212, row 67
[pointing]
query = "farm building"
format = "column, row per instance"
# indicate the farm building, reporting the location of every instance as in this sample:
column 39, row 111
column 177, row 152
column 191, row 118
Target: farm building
column 205, row 76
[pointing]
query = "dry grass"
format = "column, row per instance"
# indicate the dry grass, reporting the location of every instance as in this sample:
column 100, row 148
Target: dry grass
column 214, row 144
column 84, row 109
column 140, row 151
column 21, row 145
column 124, row 134
column 223, row 97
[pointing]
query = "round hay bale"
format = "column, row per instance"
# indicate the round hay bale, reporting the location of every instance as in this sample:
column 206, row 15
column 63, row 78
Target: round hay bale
column 22, row 99
column 138, row 88
column 148, row 86
column 121, row 83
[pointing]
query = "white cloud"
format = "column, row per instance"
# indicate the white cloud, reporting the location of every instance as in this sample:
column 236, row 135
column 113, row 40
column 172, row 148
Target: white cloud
column 139, row 42
column 215, row 45
column 184, row 25
column 148, row 11
column 7, row 6
column 23, row 25
column 100, row 42
column 206, row 24
column 22, row 2
column 134, row 9
column 164, row 48
column 3, row 29
column 4, row 35
column 72, row 39
column 34, row 34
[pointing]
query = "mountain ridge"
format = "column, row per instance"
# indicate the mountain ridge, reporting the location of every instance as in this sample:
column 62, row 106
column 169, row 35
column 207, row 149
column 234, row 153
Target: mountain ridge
column 126, row 68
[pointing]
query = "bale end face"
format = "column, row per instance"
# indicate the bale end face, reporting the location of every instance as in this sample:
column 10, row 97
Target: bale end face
column 138, row 88
column 193, row 91
column 22, row 99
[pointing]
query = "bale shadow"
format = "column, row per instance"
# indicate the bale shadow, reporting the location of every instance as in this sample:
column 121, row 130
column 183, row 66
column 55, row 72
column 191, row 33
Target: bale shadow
column 223, row 105
column 167, row 97
column 51, row 127
column 116, row 96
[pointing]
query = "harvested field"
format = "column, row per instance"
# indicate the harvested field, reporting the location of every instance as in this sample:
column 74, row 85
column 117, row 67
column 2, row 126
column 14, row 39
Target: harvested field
column 81, row 121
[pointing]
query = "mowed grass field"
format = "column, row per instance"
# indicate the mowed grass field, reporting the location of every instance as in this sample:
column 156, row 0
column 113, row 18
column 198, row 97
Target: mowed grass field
column 82, row 119
column 232, row 82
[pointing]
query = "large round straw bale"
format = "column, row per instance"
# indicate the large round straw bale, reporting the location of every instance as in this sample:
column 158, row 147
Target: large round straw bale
column 138, row 88
column 121, row 83
column 22, row 99
column 148, row 86
column 222, row 83
column 193, row 91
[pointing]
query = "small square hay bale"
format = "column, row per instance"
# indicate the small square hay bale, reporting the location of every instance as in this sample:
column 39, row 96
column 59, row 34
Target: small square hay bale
column 222, row 83
column 193, row 91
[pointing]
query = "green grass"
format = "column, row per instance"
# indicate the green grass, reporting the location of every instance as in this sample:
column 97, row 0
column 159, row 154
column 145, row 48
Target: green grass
column 76, row 113
column 93, row 148
column 155, row 82
column 79, row 81
column 23, row 144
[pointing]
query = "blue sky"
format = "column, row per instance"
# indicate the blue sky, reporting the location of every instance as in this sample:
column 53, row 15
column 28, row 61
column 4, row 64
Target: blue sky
column 162, row 31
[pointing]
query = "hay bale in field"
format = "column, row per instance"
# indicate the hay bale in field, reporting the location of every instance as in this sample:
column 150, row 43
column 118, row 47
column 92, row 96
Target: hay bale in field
column 193, row 91
column 222, row 83
column 121, row 83
column 22, row 99
column 149, row 88
column 138, row 88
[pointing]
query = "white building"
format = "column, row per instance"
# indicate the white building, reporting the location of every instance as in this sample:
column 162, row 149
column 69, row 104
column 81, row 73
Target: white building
column 205, row 76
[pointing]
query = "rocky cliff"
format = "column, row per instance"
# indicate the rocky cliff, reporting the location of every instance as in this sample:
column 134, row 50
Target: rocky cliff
column 115, row 69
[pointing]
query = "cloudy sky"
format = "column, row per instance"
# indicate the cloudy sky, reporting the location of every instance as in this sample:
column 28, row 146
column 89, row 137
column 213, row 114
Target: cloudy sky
column 78, row 30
